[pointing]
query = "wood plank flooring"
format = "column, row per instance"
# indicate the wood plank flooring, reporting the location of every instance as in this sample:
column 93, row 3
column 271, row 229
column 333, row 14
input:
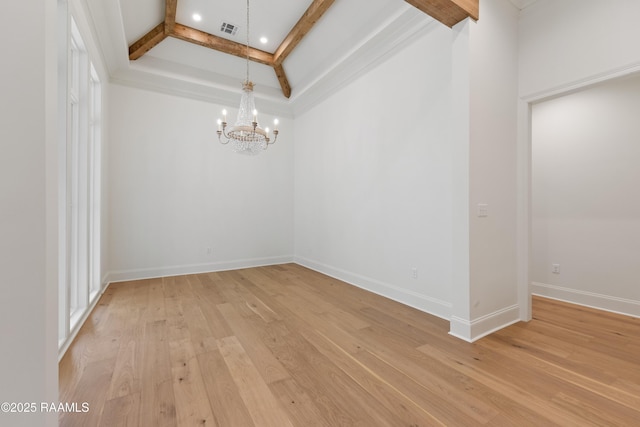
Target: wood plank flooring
column 285, row 346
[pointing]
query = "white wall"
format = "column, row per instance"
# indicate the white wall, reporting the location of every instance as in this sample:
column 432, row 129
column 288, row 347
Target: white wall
column 586, row 209
column 485, row 123
column 492, row 168
column 565, row 46
column 28, row 214
column 175, row 191
column 373, row 178
column 373, row 200
column 565, row 42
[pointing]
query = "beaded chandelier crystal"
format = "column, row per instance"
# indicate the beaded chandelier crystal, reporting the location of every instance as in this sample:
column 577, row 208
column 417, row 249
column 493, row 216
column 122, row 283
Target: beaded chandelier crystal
column 246, row 136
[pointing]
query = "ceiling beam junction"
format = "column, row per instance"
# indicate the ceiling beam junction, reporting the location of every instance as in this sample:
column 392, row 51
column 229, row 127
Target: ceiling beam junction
column 448, row 12
column 313, row 13
column 171, row 8
column 170, row 28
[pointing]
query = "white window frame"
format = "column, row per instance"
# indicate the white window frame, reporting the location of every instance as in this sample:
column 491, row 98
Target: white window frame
column 95, row 183
column 80, row 281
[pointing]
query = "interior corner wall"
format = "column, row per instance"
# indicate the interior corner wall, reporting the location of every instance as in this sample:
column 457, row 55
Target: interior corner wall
column 180, row 202
column 28, row 214
column 373, row 178
column 489, row 301
column 586, row 213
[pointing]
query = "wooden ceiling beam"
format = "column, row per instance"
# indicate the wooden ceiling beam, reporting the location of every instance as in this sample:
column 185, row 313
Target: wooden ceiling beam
column 282, row 78
column 146, row 42
column 171, row 8
column 449, row 12
column 221, row 44
column 313, row 13
column 173, row 29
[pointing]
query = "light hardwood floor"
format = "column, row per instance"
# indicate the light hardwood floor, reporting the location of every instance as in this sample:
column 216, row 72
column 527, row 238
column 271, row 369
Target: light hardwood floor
column 285, row 346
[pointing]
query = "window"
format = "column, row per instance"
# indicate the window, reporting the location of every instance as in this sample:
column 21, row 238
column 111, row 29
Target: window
column 80, row 281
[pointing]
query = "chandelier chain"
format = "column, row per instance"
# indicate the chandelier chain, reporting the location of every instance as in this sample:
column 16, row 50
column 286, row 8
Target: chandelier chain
column 247, row 41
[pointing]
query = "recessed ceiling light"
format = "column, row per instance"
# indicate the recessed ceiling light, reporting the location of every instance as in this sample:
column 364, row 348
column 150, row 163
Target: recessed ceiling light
column 263, row 40
column 196, row 17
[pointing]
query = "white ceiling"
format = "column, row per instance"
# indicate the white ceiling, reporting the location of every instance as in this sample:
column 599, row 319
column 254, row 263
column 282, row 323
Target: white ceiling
column 351, row 36
column 521, row 4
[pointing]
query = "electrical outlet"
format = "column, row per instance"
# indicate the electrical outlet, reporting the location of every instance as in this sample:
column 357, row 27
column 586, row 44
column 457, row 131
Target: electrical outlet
column 209, row 251
column 414, row 273
column 555, row 268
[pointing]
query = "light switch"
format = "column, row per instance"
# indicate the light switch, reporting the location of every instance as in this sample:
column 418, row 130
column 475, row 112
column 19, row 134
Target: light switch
column 483, row 210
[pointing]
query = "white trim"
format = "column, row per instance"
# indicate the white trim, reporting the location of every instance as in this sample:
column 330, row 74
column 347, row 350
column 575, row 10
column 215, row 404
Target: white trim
column 63, row 21
column 475, row 329
column 523, row 216
column 613, row 304
column 424, row 303
column 402, row 27
column 182, row 80
column 421, row 302
column 63, row 345
column 82, row 14
column 179, row 270
column 576, row 85
column 105, row 280
column 524, row 172
column 79, row 246
column 418, row 301
column 391, row 37
column 109, row 32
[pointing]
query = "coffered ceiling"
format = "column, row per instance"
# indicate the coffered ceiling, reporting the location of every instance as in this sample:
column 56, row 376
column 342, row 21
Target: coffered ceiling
column 312, row 46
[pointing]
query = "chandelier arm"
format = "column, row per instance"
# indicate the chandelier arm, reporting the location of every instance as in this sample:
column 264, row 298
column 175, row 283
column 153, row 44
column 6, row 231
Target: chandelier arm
column 220, row 138
column 223, row 132
column 275, row 138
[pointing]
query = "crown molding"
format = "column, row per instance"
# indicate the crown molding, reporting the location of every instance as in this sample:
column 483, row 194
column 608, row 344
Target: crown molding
column 401, row 28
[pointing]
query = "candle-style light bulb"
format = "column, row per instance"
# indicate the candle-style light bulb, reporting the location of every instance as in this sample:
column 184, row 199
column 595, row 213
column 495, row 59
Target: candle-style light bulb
column 275, row 124
column 219, row 124
column 266, row 130
column 224, row 115
column 255, row 115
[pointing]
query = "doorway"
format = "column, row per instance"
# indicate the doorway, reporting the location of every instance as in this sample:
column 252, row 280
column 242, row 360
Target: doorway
column 584, row 223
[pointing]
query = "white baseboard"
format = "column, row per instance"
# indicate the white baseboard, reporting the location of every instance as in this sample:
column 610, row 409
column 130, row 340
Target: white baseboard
column 466, row 330
column 421, row 302
column 473, row 330
column 62, row 349
column 589, row 299
column 151, row 273
column 178, row 270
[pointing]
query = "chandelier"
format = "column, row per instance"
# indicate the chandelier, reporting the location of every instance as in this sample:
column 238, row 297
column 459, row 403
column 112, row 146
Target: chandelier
column 246, row 136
